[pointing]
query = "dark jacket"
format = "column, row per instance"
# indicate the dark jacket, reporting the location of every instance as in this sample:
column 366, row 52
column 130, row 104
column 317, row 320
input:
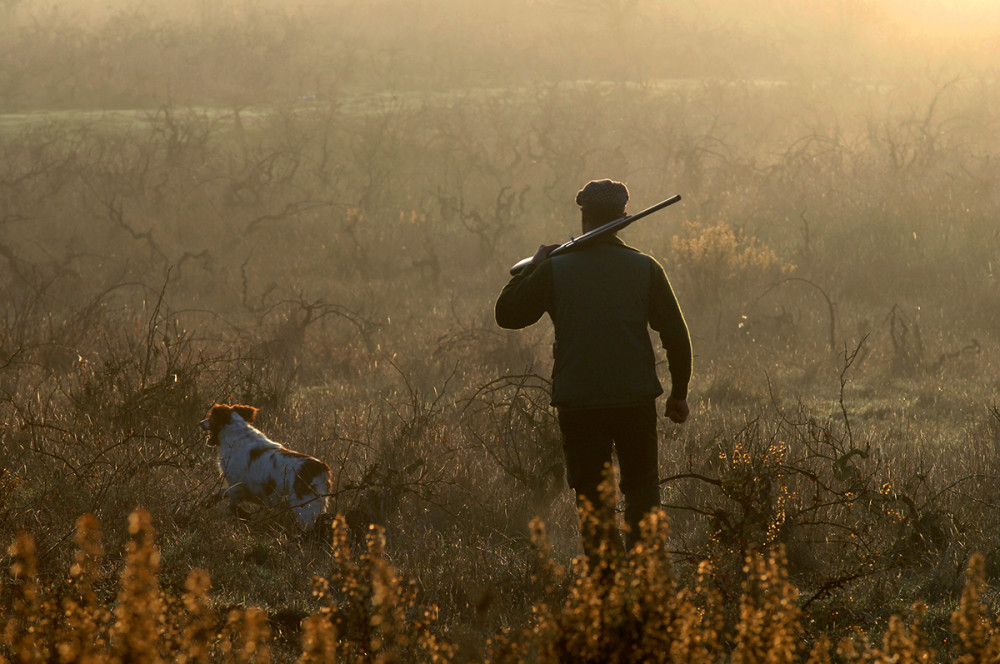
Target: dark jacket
column 602, row 298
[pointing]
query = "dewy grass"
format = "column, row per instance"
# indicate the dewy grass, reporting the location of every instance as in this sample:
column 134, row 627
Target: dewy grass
column 607, row 609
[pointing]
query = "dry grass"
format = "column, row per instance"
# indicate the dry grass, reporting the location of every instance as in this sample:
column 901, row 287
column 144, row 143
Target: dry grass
column 612, row 609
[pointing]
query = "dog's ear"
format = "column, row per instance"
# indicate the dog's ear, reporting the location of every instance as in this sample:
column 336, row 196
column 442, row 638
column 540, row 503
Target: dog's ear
column 248, row 413
column 219, row 415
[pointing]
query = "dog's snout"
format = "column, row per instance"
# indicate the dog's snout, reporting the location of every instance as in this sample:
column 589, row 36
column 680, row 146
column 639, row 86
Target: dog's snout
column 204, row 424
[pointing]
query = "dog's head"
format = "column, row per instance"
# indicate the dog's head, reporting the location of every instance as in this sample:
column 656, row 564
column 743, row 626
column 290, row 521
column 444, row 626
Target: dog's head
column 221, row 415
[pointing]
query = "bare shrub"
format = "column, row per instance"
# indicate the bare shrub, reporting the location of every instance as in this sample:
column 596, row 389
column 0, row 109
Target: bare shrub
column 723, row 269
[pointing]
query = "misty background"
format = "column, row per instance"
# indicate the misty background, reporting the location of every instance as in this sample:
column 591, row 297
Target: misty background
column 96, row 54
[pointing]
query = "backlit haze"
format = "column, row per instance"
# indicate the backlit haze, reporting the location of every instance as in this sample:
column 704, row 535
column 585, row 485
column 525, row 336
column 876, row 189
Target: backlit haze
column 137, row 54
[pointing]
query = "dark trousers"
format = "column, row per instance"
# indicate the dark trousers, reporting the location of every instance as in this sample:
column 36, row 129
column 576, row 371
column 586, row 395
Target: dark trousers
column 589, row 437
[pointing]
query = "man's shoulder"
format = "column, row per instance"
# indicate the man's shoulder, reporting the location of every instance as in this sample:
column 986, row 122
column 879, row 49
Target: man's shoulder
column 605, row 247
column 641, row 257
column 636, row 251
column 617, row 257
column 619, row 263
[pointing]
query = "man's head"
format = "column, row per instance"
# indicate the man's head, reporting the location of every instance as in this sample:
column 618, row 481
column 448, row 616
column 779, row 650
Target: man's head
column 601, row 201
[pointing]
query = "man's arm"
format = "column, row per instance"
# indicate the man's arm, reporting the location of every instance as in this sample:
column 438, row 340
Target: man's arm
column 526, row 296
column 665, row 317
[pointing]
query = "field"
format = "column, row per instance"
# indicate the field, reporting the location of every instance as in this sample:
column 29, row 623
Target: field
column 312, row 210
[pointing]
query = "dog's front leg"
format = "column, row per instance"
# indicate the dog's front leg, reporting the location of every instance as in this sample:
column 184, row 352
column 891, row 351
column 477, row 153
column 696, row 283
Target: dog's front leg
column 236, row 494
column 213, row 499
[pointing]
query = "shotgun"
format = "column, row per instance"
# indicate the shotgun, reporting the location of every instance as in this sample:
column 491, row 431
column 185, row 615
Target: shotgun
column 610, row 227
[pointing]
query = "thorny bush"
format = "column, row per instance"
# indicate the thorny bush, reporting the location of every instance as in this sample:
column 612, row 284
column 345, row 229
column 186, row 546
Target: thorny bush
column 608, row 609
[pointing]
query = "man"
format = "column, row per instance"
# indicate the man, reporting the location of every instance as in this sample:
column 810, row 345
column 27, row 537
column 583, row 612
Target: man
column 601, row 297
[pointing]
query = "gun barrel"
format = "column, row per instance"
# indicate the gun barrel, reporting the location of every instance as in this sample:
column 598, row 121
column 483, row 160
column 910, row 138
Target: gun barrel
column 610, row 227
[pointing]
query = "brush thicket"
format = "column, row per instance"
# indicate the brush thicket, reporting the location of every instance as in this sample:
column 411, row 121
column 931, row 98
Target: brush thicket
column 607, row 608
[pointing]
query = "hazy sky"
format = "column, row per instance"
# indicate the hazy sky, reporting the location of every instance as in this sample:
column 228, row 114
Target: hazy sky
column 980, row 14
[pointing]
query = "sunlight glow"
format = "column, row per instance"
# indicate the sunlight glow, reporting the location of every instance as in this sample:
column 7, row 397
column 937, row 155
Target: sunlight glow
column 980, row 16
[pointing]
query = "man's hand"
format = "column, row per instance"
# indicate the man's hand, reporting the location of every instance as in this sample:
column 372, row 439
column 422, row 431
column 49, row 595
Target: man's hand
column 542, row 253
column 677, row 410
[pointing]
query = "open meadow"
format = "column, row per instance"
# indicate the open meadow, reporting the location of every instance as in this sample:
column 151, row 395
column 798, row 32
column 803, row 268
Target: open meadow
column 311, row 209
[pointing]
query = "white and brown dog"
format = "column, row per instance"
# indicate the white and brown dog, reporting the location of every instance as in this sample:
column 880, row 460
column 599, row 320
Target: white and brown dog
column 261, row 470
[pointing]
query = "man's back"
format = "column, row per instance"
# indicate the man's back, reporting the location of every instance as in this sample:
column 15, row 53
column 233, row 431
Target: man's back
column 600, row 311
column 601, row 298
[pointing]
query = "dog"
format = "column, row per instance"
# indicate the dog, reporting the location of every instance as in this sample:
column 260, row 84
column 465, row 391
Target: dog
column 260, row 470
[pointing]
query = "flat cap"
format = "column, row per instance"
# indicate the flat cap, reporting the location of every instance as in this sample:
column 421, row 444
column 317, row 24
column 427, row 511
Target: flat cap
column 603, row 193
